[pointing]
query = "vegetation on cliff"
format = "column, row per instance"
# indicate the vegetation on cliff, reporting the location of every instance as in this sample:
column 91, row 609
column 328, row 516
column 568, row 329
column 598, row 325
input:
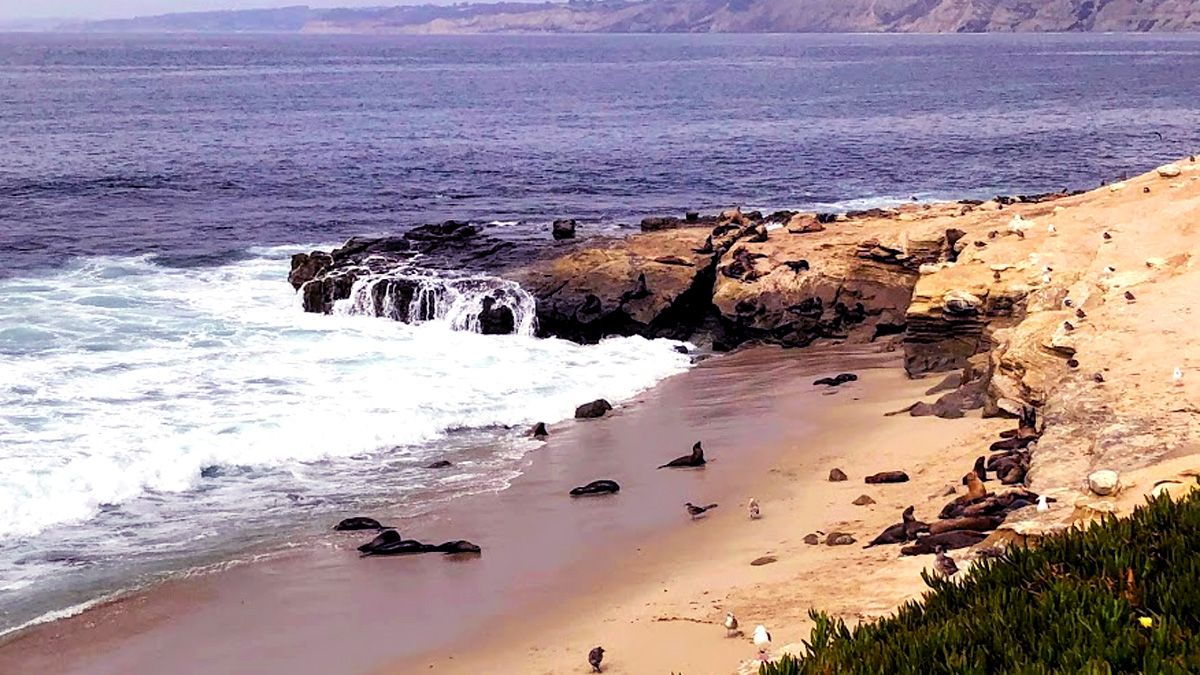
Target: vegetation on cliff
column 1118, row 598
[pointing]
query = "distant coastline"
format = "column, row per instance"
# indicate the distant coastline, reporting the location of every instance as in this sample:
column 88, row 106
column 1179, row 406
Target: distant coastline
column 673, row 16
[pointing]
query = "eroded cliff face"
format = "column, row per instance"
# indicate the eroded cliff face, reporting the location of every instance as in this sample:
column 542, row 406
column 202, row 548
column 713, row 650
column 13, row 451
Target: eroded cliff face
column 783, row 16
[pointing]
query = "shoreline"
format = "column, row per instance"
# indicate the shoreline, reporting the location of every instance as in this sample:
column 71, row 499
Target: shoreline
column 180, row 616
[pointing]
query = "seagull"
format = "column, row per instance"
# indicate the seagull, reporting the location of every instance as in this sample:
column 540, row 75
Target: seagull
column 1129, row 296
column 1178, row 375
column 1042, row 505
column 698, row 511
column 944, row 563
column 595, row 657
column 1069, row 303
column 1107, row 236
column 1045, row 278
column 1110, row 269
column 731, row 624
column 1052, row 230
column 1098, row 377
column 1068, row 327
column 762, row 640
column 1073, row 363
column 755, row 512
column 1079, row 313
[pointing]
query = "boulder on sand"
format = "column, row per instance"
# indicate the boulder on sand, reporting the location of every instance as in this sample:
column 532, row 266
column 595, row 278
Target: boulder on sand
column 592, row 410
column 563, row 229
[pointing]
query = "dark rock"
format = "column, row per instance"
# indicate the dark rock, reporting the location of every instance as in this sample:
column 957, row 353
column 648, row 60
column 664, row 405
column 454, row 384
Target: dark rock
column 691, row 216
column 655, row 223
column 863, row 500
column 592, row 410
column 812, row 539
column 306, row 266
column 764, row 560
column 496, row 319
column 440, row 464
column 539, row 430
column 563, row 229
column 836, row 476
column 887, row 477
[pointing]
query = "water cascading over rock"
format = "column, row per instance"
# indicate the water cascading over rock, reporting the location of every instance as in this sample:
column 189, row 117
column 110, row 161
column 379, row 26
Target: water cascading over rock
column 477, row 304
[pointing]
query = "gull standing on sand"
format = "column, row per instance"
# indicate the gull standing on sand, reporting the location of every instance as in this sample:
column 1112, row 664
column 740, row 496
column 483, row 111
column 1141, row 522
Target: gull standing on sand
column 944, row 563
column 762, row 640
column 1177, row 376
column 756, row 513
column 731, row 624
column 698, row 511
column 1042, row 505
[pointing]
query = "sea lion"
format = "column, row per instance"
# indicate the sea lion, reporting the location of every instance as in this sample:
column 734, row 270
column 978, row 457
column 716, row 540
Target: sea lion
column 440, row 464
column 456, row 547
column 887, row 477
column 399, row 547
column 975, row 492
column 905, row 530
column 539, row 430
column 1015, row 443
column 977, row 523
column 597, row 487
column 948, row 540
column 692, row 460
column 595, row 657
column 980, row 470
column 359, row 523
column 385, row 537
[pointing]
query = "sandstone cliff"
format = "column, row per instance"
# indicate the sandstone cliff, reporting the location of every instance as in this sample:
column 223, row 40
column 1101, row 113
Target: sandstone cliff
column 698, row 16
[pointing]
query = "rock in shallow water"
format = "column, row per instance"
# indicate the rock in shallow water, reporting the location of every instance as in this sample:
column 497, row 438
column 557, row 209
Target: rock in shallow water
column 592, row 410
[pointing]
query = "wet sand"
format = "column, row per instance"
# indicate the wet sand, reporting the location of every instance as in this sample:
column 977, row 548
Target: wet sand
column 581, row 570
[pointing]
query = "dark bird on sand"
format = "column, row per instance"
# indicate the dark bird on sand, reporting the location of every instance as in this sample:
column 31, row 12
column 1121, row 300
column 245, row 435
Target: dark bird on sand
column 1129, row 296
column 698, row 511
column 597, row 487
column 944, row 563
column 359, row 523
column 694, row 459
column 1068, row 302
column 1079, row 314
column 1072, row 363
column 1107, row 236
column 1068, row 326
column 595, row 657
column 1098, row 377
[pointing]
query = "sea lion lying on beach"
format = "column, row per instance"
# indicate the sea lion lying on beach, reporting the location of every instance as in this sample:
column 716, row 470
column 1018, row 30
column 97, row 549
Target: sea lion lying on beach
column 837, row 380
column 946, row 540
column 906, row 530
column 975, row 492
column 694, row 459
column 976, row 523
column 385, row 537
column 597, row 487
column 359, row 523
column 397, row 546
column 888, row 477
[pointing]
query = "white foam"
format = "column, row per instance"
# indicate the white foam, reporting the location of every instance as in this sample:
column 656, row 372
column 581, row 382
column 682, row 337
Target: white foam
column 123, row 379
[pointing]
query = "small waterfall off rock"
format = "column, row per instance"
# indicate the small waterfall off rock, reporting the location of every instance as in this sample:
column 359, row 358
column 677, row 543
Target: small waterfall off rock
column 478, row 304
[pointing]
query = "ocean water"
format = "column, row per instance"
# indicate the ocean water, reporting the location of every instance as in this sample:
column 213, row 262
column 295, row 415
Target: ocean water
column 165, row 404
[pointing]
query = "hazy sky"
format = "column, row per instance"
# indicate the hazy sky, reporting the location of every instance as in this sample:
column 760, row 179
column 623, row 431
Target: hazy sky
column 104, row 9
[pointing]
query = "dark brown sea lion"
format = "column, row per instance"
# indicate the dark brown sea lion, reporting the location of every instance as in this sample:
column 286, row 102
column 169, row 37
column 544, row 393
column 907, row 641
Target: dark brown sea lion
column 694, row 459
column 948, row 540
column 977, row 523
column 597, row 487
column 980, row 470
column 888, row 477
column 359, row 523
column 906, row 530
column 385, row 537
column 975, row 493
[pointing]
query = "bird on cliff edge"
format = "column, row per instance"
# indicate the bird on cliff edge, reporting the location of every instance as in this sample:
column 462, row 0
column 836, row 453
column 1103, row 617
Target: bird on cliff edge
column 756, row 513
column 1042, row 506
column 731, row 624
column 762, row 640
column 1177, row 376
column 595, row 657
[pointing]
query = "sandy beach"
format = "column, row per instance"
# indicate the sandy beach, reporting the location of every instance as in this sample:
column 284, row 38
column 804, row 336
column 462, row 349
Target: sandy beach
column 558, row 576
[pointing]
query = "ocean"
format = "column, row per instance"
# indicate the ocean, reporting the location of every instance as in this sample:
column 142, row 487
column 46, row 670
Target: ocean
column 166, row 406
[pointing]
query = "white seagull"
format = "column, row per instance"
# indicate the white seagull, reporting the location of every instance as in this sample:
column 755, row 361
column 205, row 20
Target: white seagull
column 1052, row 230
column 731, row 624
column 756, row 513
column 762, row 640
column 1178, row 376
column 1042, row 505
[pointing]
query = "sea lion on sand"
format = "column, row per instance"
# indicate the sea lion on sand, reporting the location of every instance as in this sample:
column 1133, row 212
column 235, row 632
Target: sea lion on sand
column 385, row 537
column 539, row 430
column 410, row 546
column 457, row 546
column 975, row 492
column 888, row 477
column 597, row 487
column 694, row 459
column 980, row 470
column 976, row 523
column 359, row 523
column 948, row 540
column 595, row 657
column 905, row 530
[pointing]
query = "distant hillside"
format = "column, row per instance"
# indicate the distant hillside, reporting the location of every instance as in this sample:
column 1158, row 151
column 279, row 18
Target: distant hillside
column 700, row 16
